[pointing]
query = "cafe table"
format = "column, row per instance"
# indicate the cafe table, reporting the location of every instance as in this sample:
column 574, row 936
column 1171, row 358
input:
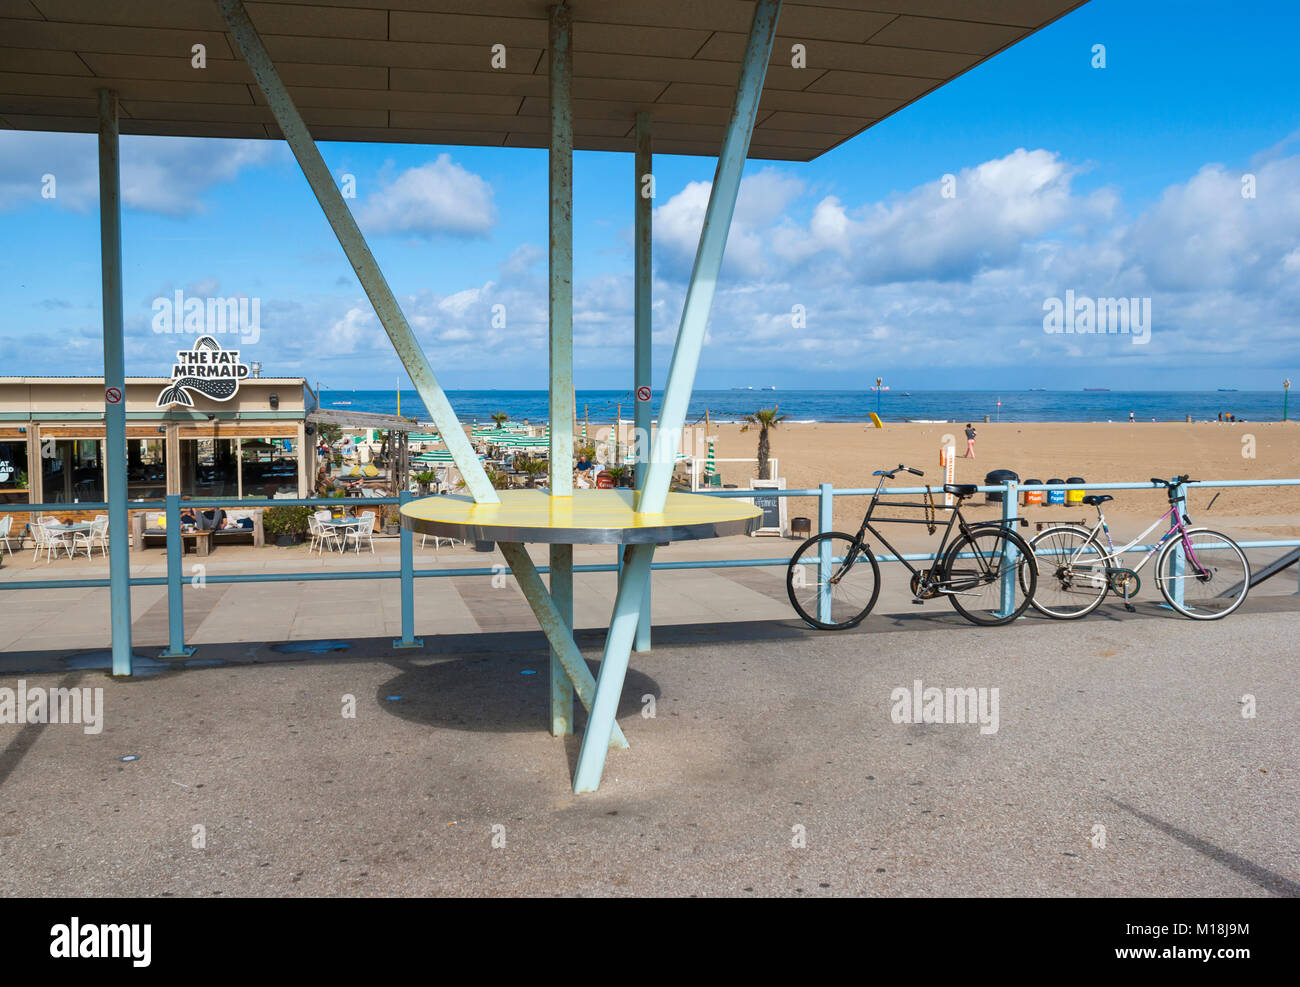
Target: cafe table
column 64, row 531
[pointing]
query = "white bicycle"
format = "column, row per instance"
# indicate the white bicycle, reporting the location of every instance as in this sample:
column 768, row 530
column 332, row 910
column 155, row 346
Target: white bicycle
column 1202, row 574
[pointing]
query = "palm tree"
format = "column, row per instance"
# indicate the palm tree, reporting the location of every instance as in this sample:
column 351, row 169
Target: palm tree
column 500, row 417
column 766, row 419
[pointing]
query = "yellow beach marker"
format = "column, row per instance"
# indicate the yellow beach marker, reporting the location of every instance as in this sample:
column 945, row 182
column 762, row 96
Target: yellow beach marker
column 875, row 420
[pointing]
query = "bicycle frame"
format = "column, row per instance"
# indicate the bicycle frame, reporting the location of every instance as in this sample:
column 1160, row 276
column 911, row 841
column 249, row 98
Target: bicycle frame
column 866, row 526
column 1177, row 525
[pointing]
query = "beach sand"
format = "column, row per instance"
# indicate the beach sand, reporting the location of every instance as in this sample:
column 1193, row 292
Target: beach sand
column 845, row 454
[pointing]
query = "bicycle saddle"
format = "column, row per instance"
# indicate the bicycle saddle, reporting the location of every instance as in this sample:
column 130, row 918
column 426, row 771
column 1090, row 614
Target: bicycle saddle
column 960, row 489
column 1097, row 499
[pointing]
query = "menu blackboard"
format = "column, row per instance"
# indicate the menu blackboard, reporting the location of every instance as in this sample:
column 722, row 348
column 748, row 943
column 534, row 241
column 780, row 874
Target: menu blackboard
column 773, row 507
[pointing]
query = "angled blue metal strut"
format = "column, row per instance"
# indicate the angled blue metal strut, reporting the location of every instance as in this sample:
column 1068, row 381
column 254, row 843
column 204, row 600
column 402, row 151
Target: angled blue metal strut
column 651, row 498
column 358, row 252
column 708, row 257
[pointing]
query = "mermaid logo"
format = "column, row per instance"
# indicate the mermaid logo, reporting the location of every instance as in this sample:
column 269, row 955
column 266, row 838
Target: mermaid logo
column 206, row 369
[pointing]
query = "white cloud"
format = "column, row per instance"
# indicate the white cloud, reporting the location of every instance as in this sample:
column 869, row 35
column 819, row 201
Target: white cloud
column 438, row 197
column 166, row 175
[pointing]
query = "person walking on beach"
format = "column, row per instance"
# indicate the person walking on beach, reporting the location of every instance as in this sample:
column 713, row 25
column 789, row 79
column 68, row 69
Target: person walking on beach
column 970, row 442
column 1132, row 417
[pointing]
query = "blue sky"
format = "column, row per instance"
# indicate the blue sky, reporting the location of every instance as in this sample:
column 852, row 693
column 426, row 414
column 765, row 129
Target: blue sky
column 1116, row 182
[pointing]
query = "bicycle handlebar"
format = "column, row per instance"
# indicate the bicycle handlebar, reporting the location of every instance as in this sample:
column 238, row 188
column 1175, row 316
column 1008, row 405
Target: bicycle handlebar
column 900, row 468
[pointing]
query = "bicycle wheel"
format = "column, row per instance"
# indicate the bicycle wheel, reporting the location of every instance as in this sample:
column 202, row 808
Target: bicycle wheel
column 999, row 562
column 1071, row 572
column 1214, row 577
column 851, row 589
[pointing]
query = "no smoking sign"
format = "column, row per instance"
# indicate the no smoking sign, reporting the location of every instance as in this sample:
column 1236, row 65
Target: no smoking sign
column 643, row 394
column 112, row 395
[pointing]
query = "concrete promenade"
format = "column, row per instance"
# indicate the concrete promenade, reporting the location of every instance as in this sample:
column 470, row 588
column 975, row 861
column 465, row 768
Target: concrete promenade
column 771, row 764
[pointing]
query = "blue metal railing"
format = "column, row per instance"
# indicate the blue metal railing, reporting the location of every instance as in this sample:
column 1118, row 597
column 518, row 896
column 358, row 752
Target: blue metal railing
column 407, row 573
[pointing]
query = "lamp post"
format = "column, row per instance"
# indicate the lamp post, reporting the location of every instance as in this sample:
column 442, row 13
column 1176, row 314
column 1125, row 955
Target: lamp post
column 1286, row 392
column 879, row 381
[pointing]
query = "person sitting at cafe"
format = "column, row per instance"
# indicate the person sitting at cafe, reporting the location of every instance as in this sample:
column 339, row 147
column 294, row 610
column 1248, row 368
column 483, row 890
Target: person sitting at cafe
column 213, row 520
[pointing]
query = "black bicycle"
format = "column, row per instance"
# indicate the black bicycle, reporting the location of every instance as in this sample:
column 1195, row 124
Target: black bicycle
column 989, row 573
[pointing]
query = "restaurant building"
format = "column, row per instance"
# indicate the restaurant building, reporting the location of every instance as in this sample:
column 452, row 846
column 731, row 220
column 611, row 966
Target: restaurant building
column 254, row 442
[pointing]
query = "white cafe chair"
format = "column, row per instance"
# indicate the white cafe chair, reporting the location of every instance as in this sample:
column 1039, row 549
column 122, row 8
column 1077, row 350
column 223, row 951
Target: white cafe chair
column 97, row 535
column 49, row 540
column 364, row 528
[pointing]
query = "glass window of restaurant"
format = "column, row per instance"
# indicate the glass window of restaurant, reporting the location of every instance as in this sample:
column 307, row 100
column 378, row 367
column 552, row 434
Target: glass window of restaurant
column 146, row 469
column 270, row 467
column 72, row 470
column 14, row 481
column 209, row 468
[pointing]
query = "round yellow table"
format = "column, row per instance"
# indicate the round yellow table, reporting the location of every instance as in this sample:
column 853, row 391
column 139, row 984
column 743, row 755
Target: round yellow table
column 589, row 517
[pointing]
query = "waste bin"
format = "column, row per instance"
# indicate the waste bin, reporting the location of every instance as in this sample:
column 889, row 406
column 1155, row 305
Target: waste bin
column 1074, row 495
column 998, row 477
column 1033, row 497
column 1055, row 496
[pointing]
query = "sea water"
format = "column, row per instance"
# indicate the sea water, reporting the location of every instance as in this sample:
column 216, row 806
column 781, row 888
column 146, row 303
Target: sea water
column 850, row 406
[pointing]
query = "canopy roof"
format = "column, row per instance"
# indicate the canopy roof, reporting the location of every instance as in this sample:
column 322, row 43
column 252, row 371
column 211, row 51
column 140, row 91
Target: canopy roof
column 420, row 70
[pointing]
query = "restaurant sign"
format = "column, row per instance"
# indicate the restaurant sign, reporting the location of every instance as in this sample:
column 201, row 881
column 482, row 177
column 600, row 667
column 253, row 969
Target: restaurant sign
column 206, row 369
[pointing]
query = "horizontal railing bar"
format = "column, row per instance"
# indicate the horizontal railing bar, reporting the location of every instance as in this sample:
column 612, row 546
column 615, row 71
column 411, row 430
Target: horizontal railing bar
column 292, row 577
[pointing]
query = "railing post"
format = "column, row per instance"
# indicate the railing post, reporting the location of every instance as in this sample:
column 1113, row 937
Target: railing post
column 176, row 647
column 407, row 551
column 825, row 521
column 1178, row 558
column 1010, row 506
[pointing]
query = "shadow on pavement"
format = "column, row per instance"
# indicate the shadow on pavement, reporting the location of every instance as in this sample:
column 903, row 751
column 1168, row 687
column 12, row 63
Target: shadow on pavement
column 1265, row 878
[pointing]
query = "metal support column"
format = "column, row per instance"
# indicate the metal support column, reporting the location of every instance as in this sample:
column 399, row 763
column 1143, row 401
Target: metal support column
column 1178, row 556
column 825, row 523
column 110, row 258
column 562, row 597
column 555, row 629
column 708, row 257
column 406, row 548
column 643, row 222
column 561, row 257
column 562, row 409
column 1010, row 511
column 176, row 647
column 601, row 722
column 358, row 252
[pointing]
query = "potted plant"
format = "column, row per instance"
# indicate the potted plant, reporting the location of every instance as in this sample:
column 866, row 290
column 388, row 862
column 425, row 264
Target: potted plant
column 287, row 525
column 500, row 417
column 424, row 480
column 621, row 476
column 531, row 468
column 392, row 521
